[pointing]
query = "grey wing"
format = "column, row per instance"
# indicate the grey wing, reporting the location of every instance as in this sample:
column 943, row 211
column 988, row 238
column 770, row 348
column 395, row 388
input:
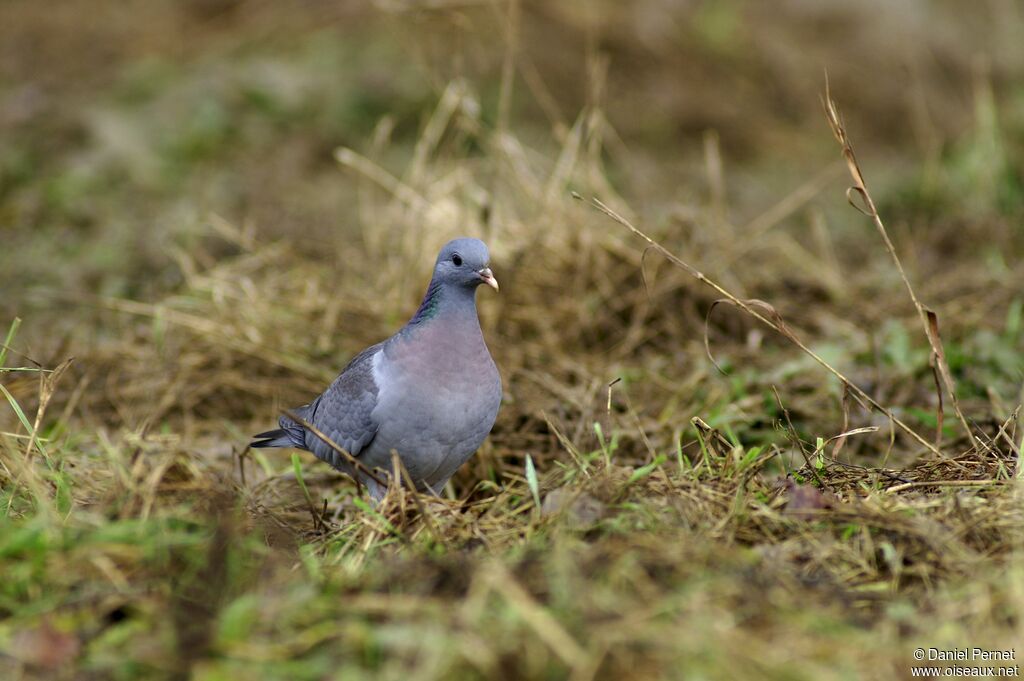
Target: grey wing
column 343, row 411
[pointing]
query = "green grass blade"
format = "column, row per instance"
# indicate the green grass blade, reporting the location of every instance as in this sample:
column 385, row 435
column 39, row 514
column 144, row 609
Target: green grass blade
column 532, row 482
column 17, row 409
column 11, row 332
column 644, row 471
column 367, row 508
column 297, row 467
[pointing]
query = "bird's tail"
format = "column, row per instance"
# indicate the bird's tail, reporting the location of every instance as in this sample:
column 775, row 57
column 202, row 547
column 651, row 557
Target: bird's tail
column 273, row 438
column 290, row 434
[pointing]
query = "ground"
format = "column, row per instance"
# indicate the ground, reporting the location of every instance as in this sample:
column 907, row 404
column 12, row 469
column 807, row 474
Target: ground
column 729, row 445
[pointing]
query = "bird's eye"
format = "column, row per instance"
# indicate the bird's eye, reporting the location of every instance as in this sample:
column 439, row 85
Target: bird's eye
column 457, row 259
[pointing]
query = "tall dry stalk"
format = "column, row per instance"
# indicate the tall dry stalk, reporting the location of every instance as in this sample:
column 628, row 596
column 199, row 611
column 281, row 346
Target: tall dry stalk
column 929, row 320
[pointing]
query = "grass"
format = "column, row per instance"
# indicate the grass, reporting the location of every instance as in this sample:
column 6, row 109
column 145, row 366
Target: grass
column 808, row 482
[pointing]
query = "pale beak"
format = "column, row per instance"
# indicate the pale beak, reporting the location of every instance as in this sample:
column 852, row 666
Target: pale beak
column 488, row 277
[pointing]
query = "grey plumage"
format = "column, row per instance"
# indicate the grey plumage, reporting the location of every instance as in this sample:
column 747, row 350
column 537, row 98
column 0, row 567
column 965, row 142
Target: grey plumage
column 431, row 392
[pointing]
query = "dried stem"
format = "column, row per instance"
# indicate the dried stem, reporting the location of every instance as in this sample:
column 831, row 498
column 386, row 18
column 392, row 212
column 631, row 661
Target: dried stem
column 929, row 320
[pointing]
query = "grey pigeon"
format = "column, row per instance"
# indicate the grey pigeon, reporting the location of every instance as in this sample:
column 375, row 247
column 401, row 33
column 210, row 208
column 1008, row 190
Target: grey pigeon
column 430, row 392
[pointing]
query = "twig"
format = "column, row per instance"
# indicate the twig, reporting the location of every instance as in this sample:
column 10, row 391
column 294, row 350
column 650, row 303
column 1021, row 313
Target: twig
column 944, row 483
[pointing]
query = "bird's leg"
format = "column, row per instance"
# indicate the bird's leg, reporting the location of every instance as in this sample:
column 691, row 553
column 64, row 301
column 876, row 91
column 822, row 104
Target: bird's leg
column 376, row 490
column 434, row 492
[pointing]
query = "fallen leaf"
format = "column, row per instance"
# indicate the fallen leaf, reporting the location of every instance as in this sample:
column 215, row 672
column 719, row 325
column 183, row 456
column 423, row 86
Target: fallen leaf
column 581, row 509
column 804, row 500
column 44, row 646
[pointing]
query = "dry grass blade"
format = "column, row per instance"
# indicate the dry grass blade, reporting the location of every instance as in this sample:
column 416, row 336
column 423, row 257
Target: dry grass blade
column 940, row 411
column 47, row 386
column 547, row 627
column 567, row 443
column 945, row 483
column 675, row 260
column 1003, row 431
column 840, row 441
column 939, row 355
column 208, row 328
column 373, row 172
column 428, row 518
column 785, row 207
column 769, row 310
column 929, row 321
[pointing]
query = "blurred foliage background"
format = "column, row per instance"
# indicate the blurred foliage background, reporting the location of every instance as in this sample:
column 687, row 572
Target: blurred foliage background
column 125, row 126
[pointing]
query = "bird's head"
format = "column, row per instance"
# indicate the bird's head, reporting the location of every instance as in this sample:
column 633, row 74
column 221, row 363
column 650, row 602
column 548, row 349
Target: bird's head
column 465, row 262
